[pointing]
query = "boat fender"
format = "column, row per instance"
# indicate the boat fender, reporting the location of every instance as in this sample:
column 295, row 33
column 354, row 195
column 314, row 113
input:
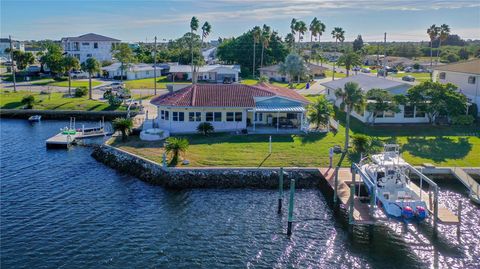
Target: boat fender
column 421, row 213
column 407, row 212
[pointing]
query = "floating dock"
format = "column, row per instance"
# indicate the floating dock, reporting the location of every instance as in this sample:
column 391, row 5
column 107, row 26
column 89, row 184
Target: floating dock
column 62, row 140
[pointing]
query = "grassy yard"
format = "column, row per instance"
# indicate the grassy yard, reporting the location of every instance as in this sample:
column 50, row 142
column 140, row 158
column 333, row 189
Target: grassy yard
column 298, row 86
column 440, row 145
column 55, row 101
column 148, row 83
column 75, row 83
column 329, row 74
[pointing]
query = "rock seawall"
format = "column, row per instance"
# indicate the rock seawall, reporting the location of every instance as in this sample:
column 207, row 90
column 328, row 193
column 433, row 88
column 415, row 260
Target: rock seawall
column 181, row 178
column 63, row 114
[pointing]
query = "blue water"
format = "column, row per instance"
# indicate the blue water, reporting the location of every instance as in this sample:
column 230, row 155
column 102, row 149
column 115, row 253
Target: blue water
column 62, row 209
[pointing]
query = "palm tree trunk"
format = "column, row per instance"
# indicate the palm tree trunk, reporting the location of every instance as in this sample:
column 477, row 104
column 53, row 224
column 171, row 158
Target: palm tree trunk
column 89, row 86
column 253, row 71
column 261, row 57
column 438, row 50
column 431, row 54
column 69, row 83
column 333, row 73
column 191, row 52
column 347, row 128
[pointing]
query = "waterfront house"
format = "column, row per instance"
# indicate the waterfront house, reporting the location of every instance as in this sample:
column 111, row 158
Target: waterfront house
column 273, row 72
column 465, row 75
column 407, row 114
column 208, row 73
column 132, row 71
column 5, row 44
column 262, row 108
column 89, row 46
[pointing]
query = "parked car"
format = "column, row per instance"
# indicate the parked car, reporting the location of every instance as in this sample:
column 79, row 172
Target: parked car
column 408, row 78
column 117, row 85
column 391, row 69
column 356, row 68
column 79, row 74
column 408, row 69
column 365, row 70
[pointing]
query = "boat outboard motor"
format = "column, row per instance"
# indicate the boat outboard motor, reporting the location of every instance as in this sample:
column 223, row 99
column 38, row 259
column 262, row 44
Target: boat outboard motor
column 407, row 212
column 421, row 213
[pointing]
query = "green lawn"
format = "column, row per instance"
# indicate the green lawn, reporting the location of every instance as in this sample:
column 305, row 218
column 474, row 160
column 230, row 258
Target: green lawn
column 148, row 83
column 329, row 74
column 75, row 83
column 55, row 101
column 298, row 86
column 440, row 145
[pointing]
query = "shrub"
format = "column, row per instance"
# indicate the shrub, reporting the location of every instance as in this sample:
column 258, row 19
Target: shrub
column 60, row 78
column 114, row 100
column 205, row 128
column 28, row 101
column 473, row 110
column 263, row 79
column 81, row 91
column 463, row 120
column 176, row 146
column 124, row 125
column 361, row 143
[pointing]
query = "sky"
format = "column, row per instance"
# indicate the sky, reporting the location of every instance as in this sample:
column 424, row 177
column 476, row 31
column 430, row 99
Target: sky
column 140, row 20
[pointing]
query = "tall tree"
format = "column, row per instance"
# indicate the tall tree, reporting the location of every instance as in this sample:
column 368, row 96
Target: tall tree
column 124, row 54
column 442, row 36
column 339, row 35
column 432, row 32
column 53, row 58
column 358, row 43
column 350, row 59
column 293, row 29
column 193, row 28
column 301, row 28
column 380, row 101
column 314, row 28
column 91, row 66
column 70, row 63
column 352, row 97
column 257, row 34
column 266, row 35
column 290, row 41
column 294, row 66
column 206, row 29
column 321, row 30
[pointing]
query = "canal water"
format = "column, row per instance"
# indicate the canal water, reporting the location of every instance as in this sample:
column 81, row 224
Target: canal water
column 62, row 209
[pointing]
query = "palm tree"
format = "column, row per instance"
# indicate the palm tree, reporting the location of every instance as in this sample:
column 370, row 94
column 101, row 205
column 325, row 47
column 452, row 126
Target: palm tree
column 124, row 125
column 350, row 60
column 351, row 96
column 193, row 28
column 290, row 40
column 314, row 28
column 70, row 62
column 301, row 28
column 319, row 112
column 339, row 35
column 443, row 35
column 176, row 146
column 321, row 30
column 432, row 32
column 266, row 35
column 257, row 33
column 91, row 66
column 293, row 29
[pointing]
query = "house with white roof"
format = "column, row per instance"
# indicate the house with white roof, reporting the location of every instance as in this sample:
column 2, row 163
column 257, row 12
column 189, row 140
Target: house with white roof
column 5, row 44
column 208, row 73
column 465, row 75
column 132, row 71
column 89, row 46
column 262, row 108
column 407, row 114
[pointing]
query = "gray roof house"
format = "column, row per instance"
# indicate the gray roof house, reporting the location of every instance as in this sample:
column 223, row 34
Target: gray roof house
column 210, row 73
column 407, row 114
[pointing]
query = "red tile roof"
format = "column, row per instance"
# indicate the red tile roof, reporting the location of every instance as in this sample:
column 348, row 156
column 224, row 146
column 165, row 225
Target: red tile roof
column 224, row 95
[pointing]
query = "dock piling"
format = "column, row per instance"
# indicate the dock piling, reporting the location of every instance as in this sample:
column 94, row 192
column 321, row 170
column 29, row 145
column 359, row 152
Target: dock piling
column 435, row 210
column 290, row 207
column 335, row 187
column 350, row 205
column 280, row 190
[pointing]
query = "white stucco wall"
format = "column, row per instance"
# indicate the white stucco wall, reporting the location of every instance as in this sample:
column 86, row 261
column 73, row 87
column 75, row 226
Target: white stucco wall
column 471, row 91
column 102, row 53
column 187, row 126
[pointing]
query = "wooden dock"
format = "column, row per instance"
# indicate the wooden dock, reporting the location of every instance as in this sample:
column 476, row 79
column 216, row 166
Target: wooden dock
column 61, row 140
column 469, row 182
column 361, row 212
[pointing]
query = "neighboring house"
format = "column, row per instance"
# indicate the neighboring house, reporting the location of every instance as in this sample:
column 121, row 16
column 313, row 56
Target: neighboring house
column 261, row 108
column 132, row 71
column 332, row 56
column 207, row 73
column 273, row 72
column 5, row 44
column 407, row 114
column 465, row 75
column 90, row 46
column 392, row 61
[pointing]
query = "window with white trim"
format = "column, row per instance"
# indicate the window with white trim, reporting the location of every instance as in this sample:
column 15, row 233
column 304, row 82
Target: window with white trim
column 194, row 116
column 442, row 75
column 238, row 116
column 164, row 114
column 258, row 117
column 471, row 80
column 230, row 116
column 408, row 111
column 178, row 116
column 95, row 45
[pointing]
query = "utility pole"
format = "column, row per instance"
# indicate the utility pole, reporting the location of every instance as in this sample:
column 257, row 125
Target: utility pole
column 13, row 64
column 155, row 66
column 378, row 55
column 385, row 55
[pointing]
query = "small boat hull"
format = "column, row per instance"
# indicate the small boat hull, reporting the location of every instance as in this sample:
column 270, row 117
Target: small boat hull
column 35, row 118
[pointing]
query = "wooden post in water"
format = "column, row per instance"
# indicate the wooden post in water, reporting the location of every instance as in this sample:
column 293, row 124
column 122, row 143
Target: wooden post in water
column 350, row 206
column 164, row 160
column 290, row 207
column 459, row 215
column 335, row 187
column 280, row 190
column 435, row 210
